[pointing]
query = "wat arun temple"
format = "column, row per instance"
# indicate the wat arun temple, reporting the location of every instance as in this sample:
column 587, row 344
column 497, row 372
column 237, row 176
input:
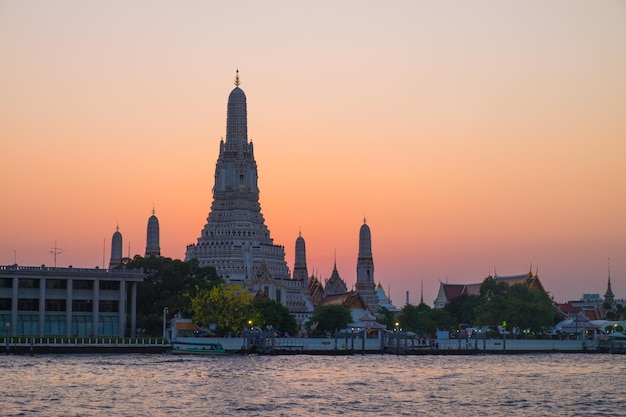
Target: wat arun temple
column 237, row 243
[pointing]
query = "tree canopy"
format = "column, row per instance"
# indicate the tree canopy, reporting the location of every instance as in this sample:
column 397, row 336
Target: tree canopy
column 517, row 305
column 273, row 314
column 424, row 320
column 328, row 318
column 166, row 283
column 228, row 307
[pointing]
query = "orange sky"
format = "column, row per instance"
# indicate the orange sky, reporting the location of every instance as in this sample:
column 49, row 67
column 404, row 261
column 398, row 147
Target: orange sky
column 472, row 135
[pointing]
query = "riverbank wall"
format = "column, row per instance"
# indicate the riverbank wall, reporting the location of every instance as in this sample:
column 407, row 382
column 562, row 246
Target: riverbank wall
column 295, row 346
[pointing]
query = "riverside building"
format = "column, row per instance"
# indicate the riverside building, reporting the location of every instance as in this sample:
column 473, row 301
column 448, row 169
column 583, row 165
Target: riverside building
column 45, row 301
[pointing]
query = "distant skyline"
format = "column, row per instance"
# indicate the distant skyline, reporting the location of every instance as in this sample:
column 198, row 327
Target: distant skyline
column 473, row 137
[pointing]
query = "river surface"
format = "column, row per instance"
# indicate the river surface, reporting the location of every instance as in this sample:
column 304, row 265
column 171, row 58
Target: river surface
column 370, row 385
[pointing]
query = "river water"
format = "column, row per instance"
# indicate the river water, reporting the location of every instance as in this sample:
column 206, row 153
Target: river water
column 302, row 385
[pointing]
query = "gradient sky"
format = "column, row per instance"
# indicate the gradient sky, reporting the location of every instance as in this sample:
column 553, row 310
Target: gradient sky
column 473, row 136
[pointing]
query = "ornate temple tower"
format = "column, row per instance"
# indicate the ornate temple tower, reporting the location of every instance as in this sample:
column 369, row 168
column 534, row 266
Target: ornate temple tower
column 300, row 271
column 116, row 248
column 365, row 284
column 609, row 297
column 152, row 240
column 235, row 239
column 335, row 284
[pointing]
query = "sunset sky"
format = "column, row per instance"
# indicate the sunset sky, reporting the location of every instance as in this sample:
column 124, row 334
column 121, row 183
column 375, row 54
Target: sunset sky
column 473, row 135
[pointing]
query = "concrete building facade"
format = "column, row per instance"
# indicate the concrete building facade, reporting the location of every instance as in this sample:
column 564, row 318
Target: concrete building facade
column 43, row 301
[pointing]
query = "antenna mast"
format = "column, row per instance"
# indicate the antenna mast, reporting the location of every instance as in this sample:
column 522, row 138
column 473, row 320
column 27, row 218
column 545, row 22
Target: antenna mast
column 55, row 251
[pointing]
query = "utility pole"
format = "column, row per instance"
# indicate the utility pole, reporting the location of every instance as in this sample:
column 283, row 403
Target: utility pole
column 55, row 251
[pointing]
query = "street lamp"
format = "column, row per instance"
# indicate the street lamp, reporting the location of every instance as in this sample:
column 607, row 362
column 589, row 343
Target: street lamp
column 165, row 311
column 8, row 330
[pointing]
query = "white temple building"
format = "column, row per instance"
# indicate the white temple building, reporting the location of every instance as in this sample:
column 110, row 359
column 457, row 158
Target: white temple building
column 235, row 240
column 153, row 247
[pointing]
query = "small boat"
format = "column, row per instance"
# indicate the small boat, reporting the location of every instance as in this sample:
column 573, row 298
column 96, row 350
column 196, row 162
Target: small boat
column 197, row 347
column 187, row 338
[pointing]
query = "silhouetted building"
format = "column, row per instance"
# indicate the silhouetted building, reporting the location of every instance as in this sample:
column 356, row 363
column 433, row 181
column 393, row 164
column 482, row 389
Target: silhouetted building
column 152, row 239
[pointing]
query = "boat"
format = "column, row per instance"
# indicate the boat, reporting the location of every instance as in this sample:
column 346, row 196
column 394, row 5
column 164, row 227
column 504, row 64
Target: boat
column 614, row 342
column 198, row 348
column 187, row 338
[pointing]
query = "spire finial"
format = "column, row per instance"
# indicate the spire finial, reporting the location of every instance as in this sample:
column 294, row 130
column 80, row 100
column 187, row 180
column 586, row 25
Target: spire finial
column 335, row 258
column 117, row 227
column 153, row 209
column 237, row 82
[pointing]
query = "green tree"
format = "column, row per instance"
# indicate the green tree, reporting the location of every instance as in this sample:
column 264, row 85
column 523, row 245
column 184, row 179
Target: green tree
column 408, row 318
column 519, row 306
column 329, row 318
column 529, row 309
column 436, row 319
column 166, row 283
column 274, row 314
column 385, row 317
column 463, row 308
column 228, row 307
column 493, row 310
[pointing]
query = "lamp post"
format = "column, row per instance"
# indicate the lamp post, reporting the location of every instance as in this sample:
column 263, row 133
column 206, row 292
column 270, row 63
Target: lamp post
column 165, row 311
column 8, row 330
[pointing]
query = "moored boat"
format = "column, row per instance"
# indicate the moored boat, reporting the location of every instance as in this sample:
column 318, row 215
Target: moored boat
column 198, row 347
column 187, row 338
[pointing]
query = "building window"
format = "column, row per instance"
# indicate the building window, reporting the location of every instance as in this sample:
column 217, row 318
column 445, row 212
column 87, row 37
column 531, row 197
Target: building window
column 109, row 306
column 6, row 282
column 278, row 296
column 29, row 283
column 85, row 306
column 81, row 284
column 28, row 304
column 110, row 285
column 56, row 305
column 56, row 284
column 5, row 304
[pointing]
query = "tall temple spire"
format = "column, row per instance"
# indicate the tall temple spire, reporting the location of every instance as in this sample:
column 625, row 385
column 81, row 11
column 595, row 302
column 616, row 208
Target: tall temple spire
column 116, row 248
column 365, row 284
column 609, row 297
column 152, row 237
column 300, row 271
column 235, row 239
column 237, row 115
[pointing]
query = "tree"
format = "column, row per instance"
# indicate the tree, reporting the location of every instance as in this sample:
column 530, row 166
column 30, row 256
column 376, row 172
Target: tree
column 166, row 283
column 463, row 308
column 517, row 305
column 228, row 307
column 493, row 309
column 529, row 309
column 329, row 318
column 385, row 317
column 274, row 314
column 408, row 318
column 436, row 319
